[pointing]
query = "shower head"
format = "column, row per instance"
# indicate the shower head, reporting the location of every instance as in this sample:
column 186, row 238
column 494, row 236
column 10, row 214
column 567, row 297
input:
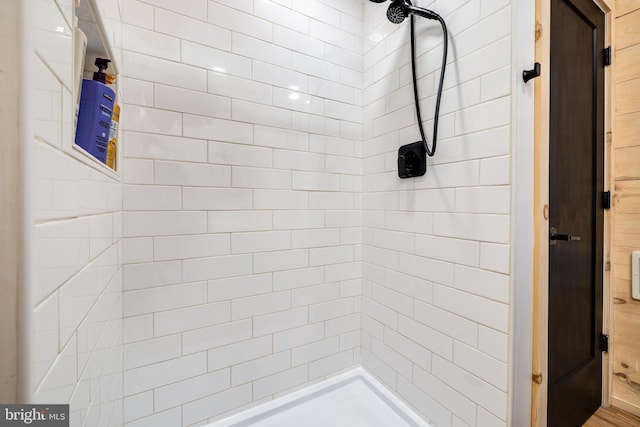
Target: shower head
column 400, row 9
column 397, row 11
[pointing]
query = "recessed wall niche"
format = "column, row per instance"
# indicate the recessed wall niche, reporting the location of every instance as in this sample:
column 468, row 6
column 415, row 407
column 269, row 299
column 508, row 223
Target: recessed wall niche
column 95, row 128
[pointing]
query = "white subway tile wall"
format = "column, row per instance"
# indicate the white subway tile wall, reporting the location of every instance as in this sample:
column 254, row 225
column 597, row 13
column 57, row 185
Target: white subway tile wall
column 242, row 202
column 436, row 278
column 75, row 228
column 260, row 239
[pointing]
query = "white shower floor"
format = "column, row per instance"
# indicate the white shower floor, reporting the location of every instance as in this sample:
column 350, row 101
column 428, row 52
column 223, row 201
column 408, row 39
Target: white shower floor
column 353, row 399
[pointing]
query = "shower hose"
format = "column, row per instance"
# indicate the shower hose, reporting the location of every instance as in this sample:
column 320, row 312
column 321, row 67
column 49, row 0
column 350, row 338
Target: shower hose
column 430, row 151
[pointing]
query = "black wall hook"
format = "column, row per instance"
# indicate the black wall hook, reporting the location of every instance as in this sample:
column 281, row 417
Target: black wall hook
column 531, row 74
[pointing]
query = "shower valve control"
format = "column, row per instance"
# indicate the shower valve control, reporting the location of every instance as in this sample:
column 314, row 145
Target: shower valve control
column 412, row 160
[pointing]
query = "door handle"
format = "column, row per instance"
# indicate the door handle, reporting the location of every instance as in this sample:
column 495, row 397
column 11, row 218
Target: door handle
column 554, row 235
column 565, row 237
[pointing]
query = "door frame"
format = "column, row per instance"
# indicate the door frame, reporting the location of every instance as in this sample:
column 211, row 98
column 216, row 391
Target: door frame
column 541, row 215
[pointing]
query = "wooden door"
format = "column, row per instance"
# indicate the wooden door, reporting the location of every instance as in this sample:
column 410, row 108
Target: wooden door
column 576, row 159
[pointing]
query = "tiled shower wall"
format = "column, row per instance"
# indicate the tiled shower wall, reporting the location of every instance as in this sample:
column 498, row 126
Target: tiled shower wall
column 73, row 290
column 436, row 254
column 242, row 202
column 266, row 236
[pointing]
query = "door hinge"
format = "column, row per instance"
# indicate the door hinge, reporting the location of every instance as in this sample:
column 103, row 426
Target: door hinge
column 607, row 56
column 604, row 343
column 606, row 200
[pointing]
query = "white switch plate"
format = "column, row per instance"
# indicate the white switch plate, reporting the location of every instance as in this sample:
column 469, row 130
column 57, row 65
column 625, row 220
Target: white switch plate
column 635, row 274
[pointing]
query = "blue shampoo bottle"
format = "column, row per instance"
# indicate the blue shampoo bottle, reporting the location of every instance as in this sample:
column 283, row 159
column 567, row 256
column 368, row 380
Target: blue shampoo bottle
column 94, row 114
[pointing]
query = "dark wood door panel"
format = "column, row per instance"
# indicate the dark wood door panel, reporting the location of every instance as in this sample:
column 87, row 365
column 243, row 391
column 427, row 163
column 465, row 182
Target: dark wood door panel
column 576, row 151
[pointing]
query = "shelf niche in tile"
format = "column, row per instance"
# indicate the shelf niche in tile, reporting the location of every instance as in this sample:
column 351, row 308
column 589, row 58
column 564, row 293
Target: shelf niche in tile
column 97, row 46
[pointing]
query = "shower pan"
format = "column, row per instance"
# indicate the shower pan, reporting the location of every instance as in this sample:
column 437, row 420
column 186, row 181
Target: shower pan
column 353, row 399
